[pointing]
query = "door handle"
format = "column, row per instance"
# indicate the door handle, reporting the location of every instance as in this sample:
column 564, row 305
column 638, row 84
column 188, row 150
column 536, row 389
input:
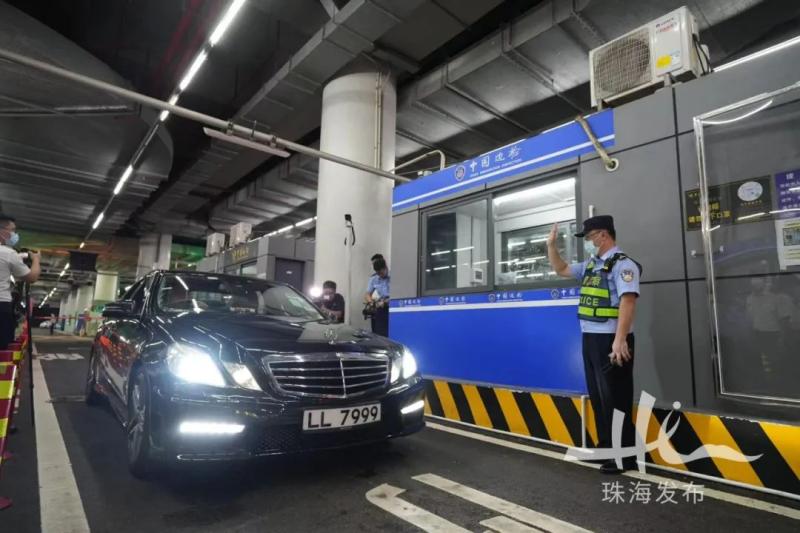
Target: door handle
column 695, row 253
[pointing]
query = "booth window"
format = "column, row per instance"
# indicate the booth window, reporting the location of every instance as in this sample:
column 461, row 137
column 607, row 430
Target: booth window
column 249, row 269
column 523, row 219
column 455, row 250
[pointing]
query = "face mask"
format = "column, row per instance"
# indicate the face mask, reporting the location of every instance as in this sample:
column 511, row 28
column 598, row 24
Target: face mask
column 13, row 239
column 589, row 248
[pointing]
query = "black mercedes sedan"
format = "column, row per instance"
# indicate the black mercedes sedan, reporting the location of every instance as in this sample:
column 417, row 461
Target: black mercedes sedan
column 202, row 367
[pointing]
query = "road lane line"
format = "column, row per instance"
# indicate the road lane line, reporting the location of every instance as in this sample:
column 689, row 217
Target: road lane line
column 503, row 524
column 61, row 508
column 736, row 499
column 386, row 497
column 499, row 505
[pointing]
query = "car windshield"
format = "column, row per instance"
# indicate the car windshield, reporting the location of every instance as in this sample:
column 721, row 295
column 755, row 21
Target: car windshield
column 198, row 293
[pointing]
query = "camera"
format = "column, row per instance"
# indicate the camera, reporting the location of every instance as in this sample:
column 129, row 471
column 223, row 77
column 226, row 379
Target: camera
column 25, row 255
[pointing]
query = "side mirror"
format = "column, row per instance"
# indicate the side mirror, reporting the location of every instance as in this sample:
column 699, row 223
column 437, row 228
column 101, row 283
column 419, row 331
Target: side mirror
column 120, row 309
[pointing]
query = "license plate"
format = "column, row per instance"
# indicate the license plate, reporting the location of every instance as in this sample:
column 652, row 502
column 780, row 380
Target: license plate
column 343, row 417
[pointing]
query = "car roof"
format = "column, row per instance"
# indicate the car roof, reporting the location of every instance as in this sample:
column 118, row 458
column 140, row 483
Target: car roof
column 195, row 272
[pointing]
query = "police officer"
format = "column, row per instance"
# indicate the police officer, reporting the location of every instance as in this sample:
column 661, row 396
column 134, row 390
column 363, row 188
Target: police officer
column 609, row 291
column 377, row 296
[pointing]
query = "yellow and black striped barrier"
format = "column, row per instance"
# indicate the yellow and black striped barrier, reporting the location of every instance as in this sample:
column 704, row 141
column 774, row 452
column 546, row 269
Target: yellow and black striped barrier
column 569, row 421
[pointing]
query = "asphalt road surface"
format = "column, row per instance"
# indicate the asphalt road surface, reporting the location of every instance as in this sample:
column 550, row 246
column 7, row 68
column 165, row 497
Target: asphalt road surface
column 446, row 478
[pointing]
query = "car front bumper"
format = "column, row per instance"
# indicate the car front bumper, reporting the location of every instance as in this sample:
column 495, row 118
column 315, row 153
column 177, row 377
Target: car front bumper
column 271, row 427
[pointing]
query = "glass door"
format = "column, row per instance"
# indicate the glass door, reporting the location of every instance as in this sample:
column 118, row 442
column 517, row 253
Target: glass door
column 748, row 210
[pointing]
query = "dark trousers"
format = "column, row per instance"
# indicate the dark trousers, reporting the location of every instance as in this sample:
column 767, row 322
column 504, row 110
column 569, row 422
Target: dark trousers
column 7, row 324
column 610, row 386
column 380, row 321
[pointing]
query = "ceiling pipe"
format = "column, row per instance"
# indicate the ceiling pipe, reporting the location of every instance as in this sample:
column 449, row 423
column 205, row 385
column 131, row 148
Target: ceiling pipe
column 193, row 115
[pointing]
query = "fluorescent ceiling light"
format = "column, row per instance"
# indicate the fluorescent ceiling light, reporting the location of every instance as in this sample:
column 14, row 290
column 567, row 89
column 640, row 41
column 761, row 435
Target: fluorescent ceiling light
column 783, row 211
column 226, row 20
column 284, row 229
column 81, row 246
column 441, row 268
column 464, row 249
column 245, row 143
column 761, row 53
column 750, row 113
column 172, row 101
column 123, row 179
column 306, row 221
column 441, row 252
column 98, row 220
column 794, row 189
column 198, row 62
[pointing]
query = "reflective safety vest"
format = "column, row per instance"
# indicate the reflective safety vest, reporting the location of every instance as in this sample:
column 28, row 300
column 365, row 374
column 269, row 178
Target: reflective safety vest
column 595, row 297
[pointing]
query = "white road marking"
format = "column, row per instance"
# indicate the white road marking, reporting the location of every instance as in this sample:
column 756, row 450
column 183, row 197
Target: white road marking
column 59, row 500
column 503, row 524
column 60, row 357
column 386, row 497
column 708, row 492
column 499, row 505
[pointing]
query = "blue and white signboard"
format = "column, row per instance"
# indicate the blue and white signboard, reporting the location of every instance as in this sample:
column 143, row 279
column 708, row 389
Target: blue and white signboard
column 547, row 148
column 787, row 189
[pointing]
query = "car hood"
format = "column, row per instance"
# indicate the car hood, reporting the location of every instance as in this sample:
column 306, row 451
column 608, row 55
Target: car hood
column 255, row 333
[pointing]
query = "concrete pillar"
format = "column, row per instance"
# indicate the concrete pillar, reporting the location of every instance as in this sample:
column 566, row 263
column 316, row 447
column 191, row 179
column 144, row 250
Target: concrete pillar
column 69, row 309
column 358, row 122
column 155, row 250
column 105, row 287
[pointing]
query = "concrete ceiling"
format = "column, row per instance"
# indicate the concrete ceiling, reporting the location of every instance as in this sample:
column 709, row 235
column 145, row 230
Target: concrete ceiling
column 472, row 75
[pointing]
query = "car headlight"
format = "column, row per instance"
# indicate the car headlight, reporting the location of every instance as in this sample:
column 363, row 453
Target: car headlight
column 241, row 375
column 409, row 364
column 405, row 365
column 193, row 365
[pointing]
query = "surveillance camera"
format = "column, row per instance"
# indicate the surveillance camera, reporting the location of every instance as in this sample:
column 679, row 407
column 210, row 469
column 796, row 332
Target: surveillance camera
column 348, row 218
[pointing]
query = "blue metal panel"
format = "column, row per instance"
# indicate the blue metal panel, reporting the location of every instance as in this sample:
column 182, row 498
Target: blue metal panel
column 558, row 144
column 527, row 339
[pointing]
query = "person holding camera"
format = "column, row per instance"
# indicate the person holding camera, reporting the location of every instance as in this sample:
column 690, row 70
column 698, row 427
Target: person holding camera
column 332, row 303
column 11, row 264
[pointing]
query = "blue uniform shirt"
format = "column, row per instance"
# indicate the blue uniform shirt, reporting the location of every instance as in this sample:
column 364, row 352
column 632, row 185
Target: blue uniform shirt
column 379, row 283
column 623, row 279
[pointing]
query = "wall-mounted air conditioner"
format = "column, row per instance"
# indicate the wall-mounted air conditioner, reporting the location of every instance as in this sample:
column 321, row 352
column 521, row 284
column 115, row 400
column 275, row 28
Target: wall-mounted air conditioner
column 240, row 233
column 215, row 243
column 665, row 50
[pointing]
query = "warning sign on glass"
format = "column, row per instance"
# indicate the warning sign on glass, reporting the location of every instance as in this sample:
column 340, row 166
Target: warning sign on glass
column 732, row 203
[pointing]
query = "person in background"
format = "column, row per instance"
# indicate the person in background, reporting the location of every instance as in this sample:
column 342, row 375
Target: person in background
column 52, row 323
column 11, row 265
column 377, row 297
column 332, row 303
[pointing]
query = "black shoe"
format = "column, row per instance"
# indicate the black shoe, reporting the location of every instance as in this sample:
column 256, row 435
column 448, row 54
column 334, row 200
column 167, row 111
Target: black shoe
column 610, row 466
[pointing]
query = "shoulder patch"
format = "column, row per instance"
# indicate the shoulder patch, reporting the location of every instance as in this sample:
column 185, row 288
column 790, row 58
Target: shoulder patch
column 627, row 275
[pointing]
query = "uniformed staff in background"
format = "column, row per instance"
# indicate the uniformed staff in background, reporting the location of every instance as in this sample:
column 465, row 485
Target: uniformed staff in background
column 377, row 298
column 11, row 265
column 609, row 290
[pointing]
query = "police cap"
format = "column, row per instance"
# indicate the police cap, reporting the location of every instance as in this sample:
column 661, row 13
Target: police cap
column 605, row 222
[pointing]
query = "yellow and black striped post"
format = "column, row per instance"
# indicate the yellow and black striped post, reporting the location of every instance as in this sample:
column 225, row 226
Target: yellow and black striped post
column 569, row 420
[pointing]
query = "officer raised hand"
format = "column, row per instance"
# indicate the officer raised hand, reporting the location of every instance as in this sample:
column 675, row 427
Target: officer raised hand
column 609, row 290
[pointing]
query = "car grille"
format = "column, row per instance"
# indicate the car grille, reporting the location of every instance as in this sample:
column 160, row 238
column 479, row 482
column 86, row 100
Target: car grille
column 288, row 439
column 330, row 375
